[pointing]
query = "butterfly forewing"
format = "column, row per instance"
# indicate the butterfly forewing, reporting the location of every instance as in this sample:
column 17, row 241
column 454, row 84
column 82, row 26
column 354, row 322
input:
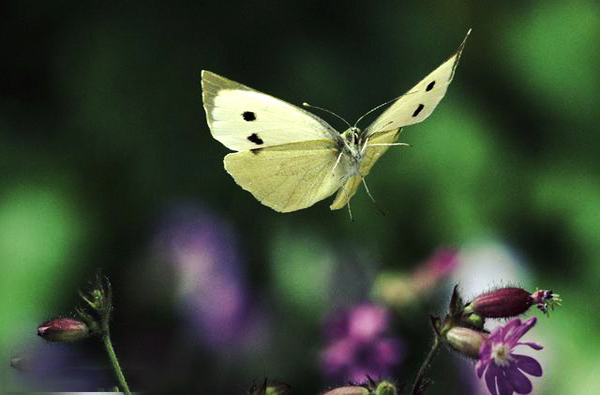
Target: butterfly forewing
column 242, row 118
column 419, row 102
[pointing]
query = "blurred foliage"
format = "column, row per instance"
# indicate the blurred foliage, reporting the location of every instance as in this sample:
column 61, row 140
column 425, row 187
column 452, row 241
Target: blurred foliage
column 102, row 132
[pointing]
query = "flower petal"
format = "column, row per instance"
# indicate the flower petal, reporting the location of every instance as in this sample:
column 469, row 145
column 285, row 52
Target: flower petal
column 519, row 382
column 528, row 365
column 519, row 331
column 504, row 385
column 486, row 349
column 533, row 345
column 490, row 378
column 480, row 367
column 505, row 330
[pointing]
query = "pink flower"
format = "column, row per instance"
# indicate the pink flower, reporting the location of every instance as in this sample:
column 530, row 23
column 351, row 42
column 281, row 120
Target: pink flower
column 438, row 266
column 358, row 344
column 504, row 369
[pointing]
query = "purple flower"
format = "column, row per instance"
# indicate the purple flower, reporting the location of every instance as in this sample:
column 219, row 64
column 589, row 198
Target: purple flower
column 504, row 369
column 358, row 345
column 209, row 277
column 56, row 369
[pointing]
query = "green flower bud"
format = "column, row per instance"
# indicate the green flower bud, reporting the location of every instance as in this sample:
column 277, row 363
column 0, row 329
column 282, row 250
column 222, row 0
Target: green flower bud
column 466, row 341
column 267, row 388
column 385, row 388
column 350, row 390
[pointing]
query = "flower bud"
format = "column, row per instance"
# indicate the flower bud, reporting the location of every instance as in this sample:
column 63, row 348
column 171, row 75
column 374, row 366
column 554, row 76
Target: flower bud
column 474, row 320
column 278, row 389
column 63, row 330
column 350, row 390
column 269, row 388
column 466, row 341
column 22, row 364
column 385, row 388
column 501, row 303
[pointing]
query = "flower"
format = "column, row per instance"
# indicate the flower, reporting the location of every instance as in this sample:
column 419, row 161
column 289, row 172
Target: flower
column 358, row 346
column 503, row 368
column 63, row 330
column 207, row 263
column 545, row 300
column 399, row 289
column 438, row 266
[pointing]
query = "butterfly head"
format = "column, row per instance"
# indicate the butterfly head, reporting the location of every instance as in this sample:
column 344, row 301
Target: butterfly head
column 351, row 136
column 351, row 140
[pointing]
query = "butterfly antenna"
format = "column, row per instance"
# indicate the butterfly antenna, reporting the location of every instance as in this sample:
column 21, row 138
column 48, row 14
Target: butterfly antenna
column 382, row 127
column 371, row 196
column 327, row 111
column 378, row 107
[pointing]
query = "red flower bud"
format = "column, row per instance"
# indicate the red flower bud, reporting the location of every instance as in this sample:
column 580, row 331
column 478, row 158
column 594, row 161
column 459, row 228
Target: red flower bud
column 63, row 330
column 501, row 303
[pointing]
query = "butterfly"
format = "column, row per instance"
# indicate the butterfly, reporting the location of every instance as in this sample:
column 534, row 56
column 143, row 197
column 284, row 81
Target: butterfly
column 289, row 159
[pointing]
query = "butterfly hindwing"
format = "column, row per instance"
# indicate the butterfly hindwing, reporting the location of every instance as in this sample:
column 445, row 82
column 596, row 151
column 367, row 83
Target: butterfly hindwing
column 242, row 118
column 287, row 177
column 419, row 102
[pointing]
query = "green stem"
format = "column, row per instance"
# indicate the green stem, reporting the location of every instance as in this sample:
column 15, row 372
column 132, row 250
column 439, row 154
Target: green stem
column 115, row 363
column 426, row 365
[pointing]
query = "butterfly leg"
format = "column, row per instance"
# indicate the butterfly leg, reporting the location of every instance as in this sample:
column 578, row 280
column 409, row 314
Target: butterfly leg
column 337, row 162
column 348, row 201
column 364, row 147
column 350, row 212
column 371, row 196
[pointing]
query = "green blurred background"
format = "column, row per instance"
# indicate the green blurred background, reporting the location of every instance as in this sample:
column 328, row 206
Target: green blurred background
column 102, row 134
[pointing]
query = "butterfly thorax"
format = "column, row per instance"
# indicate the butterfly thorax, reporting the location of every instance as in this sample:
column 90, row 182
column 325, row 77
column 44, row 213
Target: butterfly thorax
column 351, row 144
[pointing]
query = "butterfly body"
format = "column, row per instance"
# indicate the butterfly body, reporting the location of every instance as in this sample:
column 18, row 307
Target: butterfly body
column 288, row 158
column 352, row 144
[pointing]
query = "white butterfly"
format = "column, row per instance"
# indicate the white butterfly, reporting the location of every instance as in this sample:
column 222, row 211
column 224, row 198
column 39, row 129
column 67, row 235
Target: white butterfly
column 288, row 158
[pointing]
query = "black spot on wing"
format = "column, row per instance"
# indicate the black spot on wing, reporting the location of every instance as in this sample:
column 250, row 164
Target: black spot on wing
column 249, row 116
column 255, row 139
column 418, row 110
column 430, row 86
column 256, row 151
